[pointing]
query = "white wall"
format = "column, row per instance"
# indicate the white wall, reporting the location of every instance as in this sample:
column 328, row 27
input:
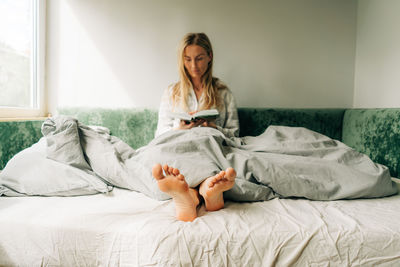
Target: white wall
column 271, row 53
column 377, row 75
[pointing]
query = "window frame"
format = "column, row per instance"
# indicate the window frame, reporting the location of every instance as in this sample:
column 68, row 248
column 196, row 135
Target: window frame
column 39, row 108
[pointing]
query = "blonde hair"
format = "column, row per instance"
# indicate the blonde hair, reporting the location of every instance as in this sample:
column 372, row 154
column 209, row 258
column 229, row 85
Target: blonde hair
column 180, row 91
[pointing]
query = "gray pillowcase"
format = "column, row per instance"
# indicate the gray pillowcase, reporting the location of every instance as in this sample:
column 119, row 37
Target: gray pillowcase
column 63, row 141
column 31, row 173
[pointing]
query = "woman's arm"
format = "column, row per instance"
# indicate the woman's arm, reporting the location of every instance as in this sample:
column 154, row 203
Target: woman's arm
column 231, row 125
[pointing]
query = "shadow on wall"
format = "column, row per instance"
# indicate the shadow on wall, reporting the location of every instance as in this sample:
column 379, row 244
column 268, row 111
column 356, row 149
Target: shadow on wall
column 117, row 37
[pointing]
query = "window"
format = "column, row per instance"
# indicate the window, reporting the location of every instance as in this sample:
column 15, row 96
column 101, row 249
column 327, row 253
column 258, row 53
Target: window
column 21, row 58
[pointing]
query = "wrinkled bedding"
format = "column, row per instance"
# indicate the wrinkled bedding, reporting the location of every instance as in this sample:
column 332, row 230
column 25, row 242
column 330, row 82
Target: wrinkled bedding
column 126, row 228
column 281, row 162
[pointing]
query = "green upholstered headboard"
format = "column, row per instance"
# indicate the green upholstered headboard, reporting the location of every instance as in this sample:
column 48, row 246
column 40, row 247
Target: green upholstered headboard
column 375, row 132
column 16, row 136
column 135, row 126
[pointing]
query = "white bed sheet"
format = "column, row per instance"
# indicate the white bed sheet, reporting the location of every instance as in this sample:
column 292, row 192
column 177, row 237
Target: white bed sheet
column 125, row 228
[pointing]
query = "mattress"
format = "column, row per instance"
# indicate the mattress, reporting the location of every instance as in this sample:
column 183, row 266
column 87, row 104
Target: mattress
column 125, row 228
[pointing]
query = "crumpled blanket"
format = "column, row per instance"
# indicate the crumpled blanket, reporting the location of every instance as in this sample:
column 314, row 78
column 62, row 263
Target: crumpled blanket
column 281, row 162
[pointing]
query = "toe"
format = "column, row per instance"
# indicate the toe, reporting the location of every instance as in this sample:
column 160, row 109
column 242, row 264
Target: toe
column 213, row 181
column 165, row 167
column 230, row 173
column 175, row 171
column 170, row 170
column 157, row 172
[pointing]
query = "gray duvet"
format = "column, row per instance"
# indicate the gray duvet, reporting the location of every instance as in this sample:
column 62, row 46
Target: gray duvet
column 281, row 162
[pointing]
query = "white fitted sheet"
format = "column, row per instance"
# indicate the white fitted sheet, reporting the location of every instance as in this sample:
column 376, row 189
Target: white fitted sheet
column 125, row 228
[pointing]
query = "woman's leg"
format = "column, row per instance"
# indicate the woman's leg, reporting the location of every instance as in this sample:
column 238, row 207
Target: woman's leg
column 212, row 188
column 173, row 183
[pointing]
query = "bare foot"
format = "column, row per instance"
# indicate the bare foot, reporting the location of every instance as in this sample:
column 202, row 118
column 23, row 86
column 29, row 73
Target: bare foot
column 173, row 183
column 213, row 187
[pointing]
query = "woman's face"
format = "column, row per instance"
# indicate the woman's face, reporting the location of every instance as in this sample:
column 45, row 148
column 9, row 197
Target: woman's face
column 196, row 60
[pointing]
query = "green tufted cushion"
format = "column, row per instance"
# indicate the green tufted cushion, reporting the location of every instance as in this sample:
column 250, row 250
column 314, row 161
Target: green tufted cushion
column 375, row 132
column 253, row 121
column 136, row 127
column 16, row 136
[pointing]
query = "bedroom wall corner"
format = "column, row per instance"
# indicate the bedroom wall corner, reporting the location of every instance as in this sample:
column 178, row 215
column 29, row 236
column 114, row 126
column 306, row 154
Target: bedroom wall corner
column 377, row 79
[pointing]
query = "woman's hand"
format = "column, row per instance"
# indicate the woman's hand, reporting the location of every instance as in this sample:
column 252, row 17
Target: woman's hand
column 204, row 122
column 184, row 125
column 207, row 123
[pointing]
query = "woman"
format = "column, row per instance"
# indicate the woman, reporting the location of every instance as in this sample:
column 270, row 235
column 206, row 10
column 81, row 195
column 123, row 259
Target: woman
column 197, row 90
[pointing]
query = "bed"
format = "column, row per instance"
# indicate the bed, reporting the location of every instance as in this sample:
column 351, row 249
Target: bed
column 127, row 228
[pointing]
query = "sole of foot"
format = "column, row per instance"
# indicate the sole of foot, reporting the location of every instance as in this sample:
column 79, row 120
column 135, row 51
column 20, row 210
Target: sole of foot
column 213, row 187
column 173, row 183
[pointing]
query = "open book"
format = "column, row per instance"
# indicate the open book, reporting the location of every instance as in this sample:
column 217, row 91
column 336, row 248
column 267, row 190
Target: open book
column 202, row 114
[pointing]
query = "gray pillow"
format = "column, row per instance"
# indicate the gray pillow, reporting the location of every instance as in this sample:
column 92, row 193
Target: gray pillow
column 63, row 141
column 31, row 173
